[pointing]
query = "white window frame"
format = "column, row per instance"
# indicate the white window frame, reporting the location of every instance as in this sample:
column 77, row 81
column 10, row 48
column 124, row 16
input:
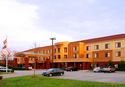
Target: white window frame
column 96, row 47
column 108, row 54
column 117, row 54
column 89, row 55
column 96, row 55
column 116, row 44
column 88, row 48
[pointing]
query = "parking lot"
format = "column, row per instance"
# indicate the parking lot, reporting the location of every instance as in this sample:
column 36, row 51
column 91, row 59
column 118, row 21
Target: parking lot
column 85, row 75
column 117, row 77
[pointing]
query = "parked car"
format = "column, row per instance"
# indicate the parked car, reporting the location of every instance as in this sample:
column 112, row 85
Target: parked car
column 53, row 72
column 108, row 69
column 97, row 69
column 3, row 69
column 71, row 68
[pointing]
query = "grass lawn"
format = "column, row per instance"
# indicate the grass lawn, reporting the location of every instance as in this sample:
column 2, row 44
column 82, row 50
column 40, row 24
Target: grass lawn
column 39, row 81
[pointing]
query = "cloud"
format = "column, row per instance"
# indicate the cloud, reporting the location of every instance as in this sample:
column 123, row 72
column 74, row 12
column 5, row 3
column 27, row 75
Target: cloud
column 28, row 21
column 84, row 18
column 19, row 22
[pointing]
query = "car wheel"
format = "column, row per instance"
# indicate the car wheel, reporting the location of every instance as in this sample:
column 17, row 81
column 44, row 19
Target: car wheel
column 110, row 71
column 50, row 75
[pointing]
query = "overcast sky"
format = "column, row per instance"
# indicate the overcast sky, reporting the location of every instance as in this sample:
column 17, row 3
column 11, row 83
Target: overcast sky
column 25, row 22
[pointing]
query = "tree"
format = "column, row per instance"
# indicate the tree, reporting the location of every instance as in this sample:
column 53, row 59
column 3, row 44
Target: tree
column 121, row 66
column 110, row 63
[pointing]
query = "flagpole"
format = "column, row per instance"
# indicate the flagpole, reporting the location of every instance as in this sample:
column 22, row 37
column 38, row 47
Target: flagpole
column 6, row 57
column 5, row 52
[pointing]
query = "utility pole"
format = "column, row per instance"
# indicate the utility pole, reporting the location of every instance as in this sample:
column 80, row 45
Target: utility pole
column 52, row 39
column 34, row 59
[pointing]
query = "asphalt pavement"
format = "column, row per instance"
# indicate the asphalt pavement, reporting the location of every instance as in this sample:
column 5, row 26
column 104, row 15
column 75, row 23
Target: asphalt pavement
column 85, row 75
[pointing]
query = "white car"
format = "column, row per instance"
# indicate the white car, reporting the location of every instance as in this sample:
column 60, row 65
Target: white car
column 109, row 69
column 97, row 69
column 3, row 69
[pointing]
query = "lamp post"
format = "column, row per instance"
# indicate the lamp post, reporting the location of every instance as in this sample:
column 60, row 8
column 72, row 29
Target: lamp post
column 35, row 59
column 53, row 38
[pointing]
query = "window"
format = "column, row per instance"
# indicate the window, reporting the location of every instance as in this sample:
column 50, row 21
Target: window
column 59, row 56
column 75, row 49
column 18, row 60
column 96, row 47
column 96, row 55
column 54, row 50
column 43, row 51
column 75, row 55
column 49, row 57
column 43, row 58
column 107, row 54
column 58, row 50
column 55, row 57
column 118, row 44
column 65, row 49
column 107, row 46
column 38, row 58
column 40, row 51
column 88, row 48
column 118, row 54
column 48, row 51
column 87, row 55
column 65, row 56
column 35, row 51
column 31, row 59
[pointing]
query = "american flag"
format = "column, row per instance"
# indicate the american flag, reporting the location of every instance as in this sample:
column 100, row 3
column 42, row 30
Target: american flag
column 5, row 51
column 5, row 44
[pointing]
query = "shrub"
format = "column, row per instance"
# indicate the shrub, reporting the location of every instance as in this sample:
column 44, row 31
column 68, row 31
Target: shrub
column 121, row 66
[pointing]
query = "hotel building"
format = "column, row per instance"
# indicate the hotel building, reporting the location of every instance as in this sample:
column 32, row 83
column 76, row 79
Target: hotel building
column 82, row 54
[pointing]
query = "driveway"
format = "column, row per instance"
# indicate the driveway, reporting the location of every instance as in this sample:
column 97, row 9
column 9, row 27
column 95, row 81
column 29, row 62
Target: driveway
column 117, row 77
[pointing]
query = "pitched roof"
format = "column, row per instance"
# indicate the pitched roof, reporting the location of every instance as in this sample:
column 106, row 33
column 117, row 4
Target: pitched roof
column 112, row 37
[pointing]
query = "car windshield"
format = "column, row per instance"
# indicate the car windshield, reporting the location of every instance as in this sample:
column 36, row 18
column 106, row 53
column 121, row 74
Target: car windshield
column 54, row 69
column 49, row 70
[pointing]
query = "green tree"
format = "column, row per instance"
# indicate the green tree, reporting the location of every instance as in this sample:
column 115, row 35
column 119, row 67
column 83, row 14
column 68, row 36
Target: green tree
column 121, row 66
column 110, row 63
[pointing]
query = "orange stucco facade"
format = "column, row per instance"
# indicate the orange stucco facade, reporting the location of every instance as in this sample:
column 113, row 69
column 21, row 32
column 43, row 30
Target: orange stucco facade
column 81, row 54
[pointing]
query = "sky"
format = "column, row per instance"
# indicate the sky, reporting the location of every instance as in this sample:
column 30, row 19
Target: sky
column 26, row 22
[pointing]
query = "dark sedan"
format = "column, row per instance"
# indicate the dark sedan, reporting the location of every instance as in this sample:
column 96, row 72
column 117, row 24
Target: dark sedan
column 53, row 72
column 71, row 68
